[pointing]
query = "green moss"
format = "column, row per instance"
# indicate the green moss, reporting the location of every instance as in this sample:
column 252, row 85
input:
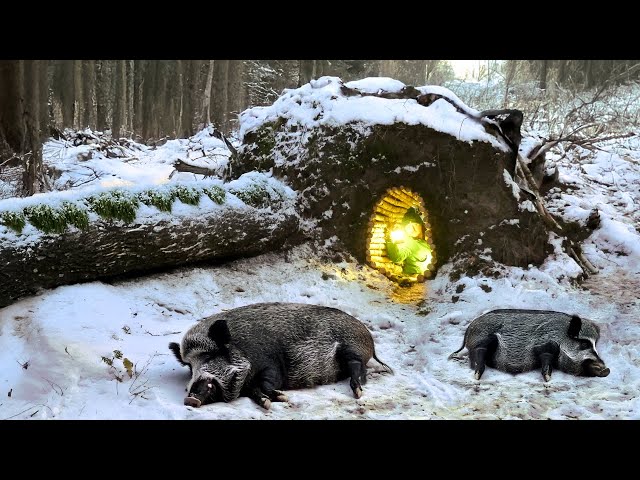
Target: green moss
column 46, row 218
column 188, row 195
column 260, row 195
column 161, row 200
column 75, row 215
column 13, row 220
column 215, row 193
column 254, row 196
column 116, row 204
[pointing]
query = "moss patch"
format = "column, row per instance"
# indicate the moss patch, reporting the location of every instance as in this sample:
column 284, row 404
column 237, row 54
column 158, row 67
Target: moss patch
column 115, row 205
column 215, row 193
column 46, row 218
column 161, row 200
column 188, row 195
column 13, row 220
column 75, row 215
column 119, row 204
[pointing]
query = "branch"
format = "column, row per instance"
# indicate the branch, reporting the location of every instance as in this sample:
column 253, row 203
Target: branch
column 182, row 166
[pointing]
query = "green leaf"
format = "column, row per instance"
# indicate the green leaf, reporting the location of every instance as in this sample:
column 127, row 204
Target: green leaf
column 128, row 366
column 108, row 361
column 117, row 353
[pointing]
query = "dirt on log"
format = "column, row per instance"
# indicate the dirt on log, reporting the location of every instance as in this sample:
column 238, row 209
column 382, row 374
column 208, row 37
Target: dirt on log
column 341, row 172
column 107, row 249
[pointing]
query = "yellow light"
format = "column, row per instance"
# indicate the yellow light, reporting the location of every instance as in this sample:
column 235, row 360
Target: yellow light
column 397, row 235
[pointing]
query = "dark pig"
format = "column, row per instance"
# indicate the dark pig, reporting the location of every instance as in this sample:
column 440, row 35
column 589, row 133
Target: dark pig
column 517, row 341
column 259, row 350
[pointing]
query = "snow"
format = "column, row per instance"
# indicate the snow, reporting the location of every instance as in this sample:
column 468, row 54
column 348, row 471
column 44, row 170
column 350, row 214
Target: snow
column 321, row 103
column 54, row 346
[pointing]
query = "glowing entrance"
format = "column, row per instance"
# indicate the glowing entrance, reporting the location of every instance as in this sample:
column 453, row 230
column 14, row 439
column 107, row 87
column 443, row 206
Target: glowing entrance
column 399, row 241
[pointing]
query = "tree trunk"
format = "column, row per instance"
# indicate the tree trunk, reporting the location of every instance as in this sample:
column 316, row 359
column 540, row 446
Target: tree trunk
column 89, row 82
column 562, row 72
column 137, row 100
column 120, row 100
column 130, row 89
column 544, row 65
column 103, row 88
column 78, row 100
column 206, row 98
column 510, row 74
column 588, row 73
column 219, row 94
column 179, row 100
column 235, row 87
column 67, row 92
column 306, row 71
column 186, row 107
column 11, row 124
column 160, row 96
column 149, row 99
column 107, row 249
column 32, row 140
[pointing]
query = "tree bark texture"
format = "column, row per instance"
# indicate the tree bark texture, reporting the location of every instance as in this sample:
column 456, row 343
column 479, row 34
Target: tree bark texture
column 109, row 249
column 11, row 124
column 235, row 91
column 219, row 94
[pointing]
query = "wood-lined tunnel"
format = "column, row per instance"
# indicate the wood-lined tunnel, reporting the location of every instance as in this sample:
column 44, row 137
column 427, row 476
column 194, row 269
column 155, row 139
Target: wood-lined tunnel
column 386, row 219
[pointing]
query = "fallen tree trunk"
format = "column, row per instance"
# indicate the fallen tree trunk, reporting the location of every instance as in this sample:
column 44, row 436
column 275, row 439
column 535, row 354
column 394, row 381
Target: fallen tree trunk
column 107, row 249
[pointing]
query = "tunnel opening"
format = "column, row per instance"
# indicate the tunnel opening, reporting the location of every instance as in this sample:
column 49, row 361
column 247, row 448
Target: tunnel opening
column 399, row 237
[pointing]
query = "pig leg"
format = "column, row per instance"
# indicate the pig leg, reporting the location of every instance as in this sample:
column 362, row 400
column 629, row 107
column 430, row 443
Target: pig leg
column 356, row 371
column 352, row 366
column 482, row 352
column 265, row 392
column 547, row 354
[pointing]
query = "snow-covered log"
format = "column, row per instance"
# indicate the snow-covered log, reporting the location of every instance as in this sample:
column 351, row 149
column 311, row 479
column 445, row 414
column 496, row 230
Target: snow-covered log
column 250, row 217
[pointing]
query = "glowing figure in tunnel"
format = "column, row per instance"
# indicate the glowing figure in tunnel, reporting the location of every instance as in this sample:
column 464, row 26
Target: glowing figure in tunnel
column 407, row 247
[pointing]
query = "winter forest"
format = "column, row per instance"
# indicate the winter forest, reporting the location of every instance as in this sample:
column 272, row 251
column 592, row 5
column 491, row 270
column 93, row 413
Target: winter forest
column 139, row 197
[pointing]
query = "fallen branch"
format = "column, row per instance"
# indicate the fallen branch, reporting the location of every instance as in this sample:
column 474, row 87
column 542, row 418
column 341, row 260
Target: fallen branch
column 182, row 166
column 527, row 178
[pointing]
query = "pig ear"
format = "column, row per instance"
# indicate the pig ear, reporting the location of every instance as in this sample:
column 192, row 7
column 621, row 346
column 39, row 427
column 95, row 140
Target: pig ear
column 574, row 327
column 219, row 333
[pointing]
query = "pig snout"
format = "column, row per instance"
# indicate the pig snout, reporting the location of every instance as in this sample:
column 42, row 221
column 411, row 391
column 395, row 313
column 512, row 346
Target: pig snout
column 601, row 371
column 597, row 369
column 192, row 402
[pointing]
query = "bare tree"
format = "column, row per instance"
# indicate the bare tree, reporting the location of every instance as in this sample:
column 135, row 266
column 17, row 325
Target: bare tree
column 11, row 124
column 89, row 84
column 120, row 104
column 78, row 100
column 130, row 95
column 206, row 99
column 236, row 93
column 306, row 71
column 219, row 93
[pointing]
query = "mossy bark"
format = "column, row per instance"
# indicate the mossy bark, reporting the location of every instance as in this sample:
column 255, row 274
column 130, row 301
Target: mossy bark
column 108, row 249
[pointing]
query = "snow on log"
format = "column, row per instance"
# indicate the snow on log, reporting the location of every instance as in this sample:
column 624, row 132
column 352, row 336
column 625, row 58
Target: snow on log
column 250, row 216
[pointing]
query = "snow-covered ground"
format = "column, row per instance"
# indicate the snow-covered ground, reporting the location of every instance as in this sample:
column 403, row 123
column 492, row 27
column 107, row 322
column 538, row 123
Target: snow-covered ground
column 65, row 353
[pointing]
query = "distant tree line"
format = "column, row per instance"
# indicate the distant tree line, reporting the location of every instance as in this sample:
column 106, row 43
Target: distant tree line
column 152, row 100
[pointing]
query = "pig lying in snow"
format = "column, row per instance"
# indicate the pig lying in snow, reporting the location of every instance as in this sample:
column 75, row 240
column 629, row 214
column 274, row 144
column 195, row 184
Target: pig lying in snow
column 259, row 350
column 516, row 341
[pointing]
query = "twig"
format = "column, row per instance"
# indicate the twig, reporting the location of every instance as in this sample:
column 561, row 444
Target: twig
column 160, row 334
column 29, row 408
column 53, row 385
